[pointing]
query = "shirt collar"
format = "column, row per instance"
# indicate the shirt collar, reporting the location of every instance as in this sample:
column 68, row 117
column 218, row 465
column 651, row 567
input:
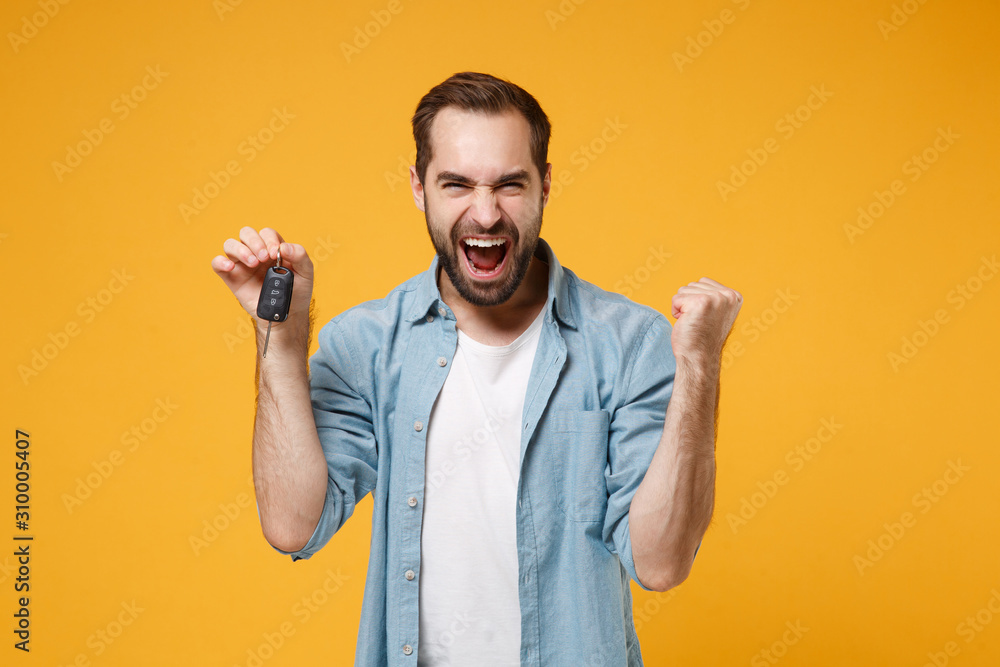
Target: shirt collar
column 428, row 296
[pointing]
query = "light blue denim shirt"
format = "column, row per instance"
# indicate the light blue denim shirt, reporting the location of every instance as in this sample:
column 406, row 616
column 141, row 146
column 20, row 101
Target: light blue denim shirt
column 593, row 416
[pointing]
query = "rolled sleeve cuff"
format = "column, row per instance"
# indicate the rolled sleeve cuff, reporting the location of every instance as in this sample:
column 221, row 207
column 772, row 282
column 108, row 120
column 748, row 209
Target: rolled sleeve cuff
column 321, row 535
column 623, row 544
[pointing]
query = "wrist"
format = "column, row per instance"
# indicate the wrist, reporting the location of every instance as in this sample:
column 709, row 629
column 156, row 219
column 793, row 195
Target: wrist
column 290, row 334
column 699, row 365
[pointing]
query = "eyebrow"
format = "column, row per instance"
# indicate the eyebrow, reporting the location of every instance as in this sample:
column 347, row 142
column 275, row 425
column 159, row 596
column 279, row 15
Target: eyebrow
column 450, row 176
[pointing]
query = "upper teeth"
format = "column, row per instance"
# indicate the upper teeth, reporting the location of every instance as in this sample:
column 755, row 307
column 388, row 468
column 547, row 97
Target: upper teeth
column 485, row 243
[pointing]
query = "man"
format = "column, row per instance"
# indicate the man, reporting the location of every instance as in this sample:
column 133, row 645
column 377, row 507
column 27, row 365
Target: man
column 510, row 420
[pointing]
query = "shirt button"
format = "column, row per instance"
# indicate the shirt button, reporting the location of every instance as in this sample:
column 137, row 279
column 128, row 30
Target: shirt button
column 442, row 312
column 407, row 649
column 409, row 575
column 412, row 501
column 430, row 318
column 442, row 361
column 418, row 426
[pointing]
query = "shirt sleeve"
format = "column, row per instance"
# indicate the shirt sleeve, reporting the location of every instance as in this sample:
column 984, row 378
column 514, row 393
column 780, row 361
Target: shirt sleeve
column 338, row 389
column 635, row 430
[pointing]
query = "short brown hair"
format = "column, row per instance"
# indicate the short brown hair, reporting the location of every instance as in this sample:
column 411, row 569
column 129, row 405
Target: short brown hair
column 483, row 93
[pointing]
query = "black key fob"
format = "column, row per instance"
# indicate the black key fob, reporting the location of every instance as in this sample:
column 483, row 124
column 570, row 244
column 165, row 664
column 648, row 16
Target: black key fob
column 275, row 295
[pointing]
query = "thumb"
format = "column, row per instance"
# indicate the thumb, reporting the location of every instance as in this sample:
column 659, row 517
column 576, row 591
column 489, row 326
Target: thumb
column 294, row 256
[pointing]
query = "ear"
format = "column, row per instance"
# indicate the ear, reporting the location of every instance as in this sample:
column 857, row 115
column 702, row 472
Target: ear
column 418, row 189
column 546, row 184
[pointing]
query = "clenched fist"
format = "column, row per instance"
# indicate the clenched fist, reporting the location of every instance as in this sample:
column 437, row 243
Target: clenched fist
column 705, row 312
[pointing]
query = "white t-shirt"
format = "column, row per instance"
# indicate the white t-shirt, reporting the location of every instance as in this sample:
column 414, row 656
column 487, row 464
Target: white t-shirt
column 470, row 613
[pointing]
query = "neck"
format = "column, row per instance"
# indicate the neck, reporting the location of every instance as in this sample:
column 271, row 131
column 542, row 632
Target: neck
column 503, row 323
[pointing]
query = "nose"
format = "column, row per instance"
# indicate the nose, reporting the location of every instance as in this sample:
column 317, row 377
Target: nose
column 485, row 210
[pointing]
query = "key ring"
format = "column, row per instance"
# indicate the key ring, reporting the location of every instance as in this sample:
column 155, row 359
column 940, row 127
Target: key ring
column 279, row 256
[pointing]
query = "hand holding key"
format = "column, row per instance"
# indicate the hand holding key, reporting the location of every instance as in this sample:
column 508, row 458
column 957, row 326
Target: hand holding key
column 275, row 297
column 247, row 263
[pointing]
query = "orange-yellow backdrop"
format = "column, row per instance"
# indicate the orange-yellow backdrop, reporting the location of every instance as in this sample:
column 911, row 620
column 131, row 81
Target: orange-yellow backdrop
column 835, row 162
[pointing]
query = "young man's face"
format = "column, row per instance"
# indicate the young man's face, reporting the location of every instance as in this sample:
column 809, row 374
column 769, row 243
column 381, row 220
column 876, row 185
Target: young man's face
column 482, row 197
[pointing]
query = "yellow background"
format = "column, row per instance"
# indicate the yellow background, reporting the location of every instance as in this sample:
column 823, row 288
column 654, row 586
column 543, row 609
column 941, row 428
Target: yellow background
column 329, row 180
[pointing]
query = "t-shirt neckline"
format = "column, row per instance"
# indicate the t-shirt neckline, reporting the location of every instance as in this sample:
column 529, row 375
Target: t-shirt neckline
column 501, row 350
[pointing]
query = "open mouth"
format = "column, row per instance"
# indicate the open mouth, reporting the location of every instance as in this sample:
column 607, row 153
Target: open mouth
column 485, row 256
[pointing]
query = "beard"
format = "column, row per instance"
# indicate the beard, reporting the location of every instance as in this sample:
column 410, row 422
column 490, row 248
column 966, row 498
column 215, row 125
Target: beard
column 486, row 292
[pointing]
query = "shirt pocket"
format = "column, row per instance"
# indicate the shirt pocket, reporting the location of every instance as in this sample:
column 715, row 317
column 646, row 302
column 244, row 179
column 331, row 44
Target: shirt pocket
column 583, row 438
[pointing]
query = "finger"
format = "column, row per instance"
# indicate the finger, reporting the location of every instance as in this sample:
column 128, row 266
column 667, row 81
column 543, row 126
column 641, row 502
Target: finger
column 272, row 239
column 222, row 264
column 252, row 240
column 232, row 271
column 238, row 252
column 678, row 303
column 233, row 274
column 697, row 289
column 296, row 256
column 709, row 281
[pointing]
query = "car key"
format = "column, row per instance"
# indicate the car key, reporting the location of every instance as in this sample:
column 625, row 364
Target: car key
column 275, row 297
